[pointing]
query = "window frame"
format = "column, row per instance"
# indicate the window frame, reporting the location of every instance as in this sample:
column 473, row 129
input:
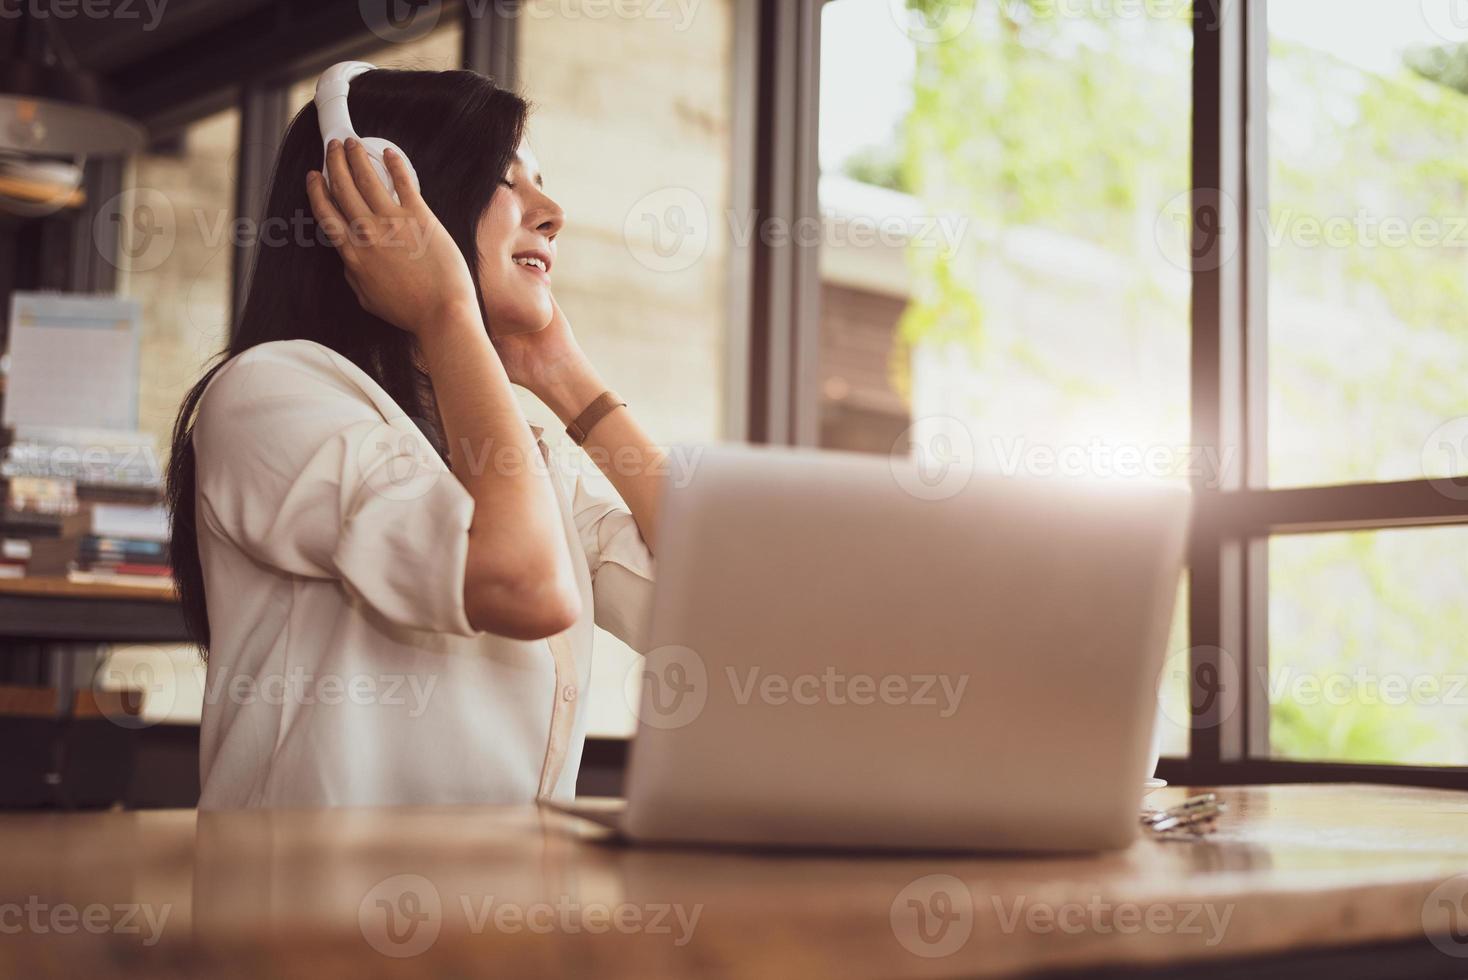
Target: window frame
column 1229, row 567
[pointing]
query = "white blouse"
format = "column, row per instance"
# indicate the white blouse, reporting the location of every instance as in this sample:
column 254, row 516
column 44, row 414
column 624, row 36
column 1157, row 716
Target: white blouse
column 343, row 669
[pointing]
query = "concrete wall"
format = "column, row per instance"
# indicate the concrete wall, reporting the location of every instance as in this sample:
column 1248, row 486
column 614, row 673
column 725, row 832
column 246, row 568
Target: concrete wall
column 184, row 290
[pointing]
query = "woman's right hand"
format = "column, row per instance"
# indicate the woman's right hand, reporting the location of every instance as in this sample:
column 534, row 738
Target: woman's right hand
column 400, row 261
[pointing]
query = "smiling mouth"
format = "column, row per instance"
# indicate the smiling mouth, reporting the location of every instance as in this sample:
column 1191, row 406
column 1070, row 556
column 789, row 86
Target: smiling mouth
column 537, row 264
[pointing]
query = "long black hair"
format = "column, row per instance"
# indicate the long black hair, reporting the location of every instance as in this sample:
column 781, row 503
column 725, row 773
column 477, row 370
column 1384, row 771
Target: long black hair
column 461, row 132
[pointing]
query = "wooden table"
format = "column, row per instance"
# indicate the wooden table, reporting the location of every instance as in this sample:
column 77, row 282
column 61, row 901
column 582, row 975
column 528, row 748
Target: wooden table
column 1297, row 874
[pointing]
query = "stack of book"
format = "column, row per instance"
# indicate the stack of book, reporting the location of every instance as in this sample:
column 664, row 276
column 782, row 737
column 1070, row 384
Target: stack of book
column 86, row 505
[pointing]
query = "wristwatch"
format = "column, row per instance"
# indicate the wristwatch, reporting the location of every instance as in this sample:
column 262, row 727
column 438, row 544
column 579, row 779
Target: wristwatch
column 600, row 407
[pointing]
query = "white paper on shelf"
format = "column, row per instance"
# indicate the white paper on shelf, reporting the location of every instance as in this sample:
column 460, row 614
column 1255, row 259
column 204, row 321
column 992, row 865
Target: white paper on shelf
column 73, row 361
column 148, row 522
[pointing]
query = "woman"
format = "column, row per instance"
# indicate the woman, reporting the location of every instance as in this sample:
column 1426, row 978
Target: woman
column 393, row 580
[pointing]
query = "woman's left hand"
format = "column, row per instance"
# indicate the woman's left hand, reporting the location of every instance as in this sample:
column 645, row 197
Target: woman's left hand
column 544, row 359
column 551, row 365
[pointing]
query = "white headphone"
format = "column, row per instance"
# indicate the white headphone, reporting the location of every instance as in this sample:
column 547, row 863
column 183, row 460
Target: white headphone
column 336, row 122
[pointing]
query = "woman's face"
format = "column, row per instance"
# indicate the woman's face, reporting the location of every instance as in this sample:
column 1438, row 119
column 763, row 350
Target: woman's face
column 519, row 227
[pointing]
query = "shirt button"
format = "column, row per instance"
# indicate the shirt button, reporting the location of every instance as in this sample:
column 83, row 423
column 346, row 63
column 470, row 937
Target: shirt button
column 569, row 692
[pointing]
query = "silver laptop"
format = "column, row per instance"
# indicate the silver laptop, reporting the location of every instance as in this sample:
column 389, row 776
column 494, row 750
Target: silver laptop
column 847, row 652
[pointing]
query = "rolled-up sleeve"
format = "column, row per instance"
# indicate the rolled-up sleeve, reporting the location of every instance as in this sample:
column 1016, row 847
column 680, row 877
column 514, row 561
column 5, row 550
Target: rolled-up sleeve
column 622, row 568
column 299, row 469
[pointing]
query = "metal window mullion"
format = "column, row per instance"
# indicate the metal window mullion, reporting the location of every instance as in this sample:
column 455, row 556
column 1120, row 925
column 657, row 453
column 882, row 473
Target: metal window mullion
column 1254, row 251
column 264, row 112
column 492, row 40
column 94, row 243
column 770, row 410
column 745, row 137
column 784, row 261
column 1348, row 507
column 805, row 250
column 1217, row 566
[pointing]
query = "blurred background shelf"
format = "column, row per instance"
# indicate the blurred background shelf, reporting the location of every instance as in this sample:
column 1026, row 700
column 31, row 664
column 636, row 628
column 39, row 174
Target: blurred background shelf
column 54, row 609
column 89, row 748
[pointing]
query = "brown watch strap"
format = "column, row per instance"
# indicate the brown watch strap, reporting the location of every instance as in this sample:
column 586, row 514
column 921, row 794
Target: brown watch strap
column 600, row 407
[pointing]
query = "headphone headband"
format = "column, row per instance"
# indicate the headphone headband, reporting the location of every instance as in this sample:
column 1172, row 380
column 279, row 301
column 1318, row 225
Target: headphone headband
column 336, row 121
column 331, row 100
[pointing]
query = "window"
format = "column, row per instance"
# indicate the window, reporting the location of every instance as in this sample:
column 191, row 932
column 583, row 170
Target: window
column 1367, row 347
column 1368, row 301
column 1368, row 660
column 994, row 273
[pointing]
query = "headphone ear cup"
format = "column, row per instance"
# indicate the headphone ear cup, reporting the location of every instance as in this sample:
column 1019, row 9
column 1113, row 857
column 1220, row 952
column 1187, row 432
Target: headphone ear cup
column 374, row 145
